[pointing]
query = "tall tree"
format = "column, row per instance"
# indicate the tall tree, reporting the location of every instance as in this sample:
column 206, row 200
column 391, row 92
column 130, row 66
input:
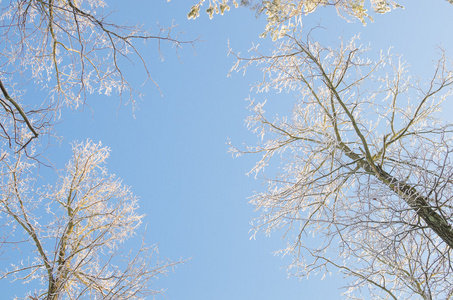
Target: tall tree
column 367, row 167
column 72, row 235
column 366, row 161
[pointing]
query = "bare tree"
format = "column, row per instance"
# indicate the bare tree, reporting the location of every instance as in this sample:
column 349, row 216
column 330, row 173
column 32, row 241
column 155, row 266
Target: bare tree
column 75, row 231
column 366, row 179
column 69, row 49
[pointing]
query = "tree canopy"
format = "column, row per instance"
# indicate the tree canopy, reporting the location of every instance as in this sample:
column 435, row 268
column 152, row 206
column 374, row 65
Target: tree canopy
column 357, row 171
column 365, row 167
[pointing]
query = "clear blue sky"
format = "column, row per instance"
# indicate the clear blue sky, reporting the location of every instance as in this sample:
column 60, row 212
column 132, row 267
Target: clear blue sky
column 174, row 152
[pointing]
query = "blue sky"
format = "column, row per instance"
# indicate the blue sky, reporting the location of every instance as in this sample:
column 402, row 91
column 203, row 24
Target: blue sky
column 172, row 151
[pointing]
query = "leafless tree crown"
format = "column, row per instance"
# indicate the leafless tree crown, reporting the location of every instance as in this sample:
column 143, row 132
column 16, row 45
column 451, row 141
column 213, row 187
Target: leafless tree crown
column 365, row 184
